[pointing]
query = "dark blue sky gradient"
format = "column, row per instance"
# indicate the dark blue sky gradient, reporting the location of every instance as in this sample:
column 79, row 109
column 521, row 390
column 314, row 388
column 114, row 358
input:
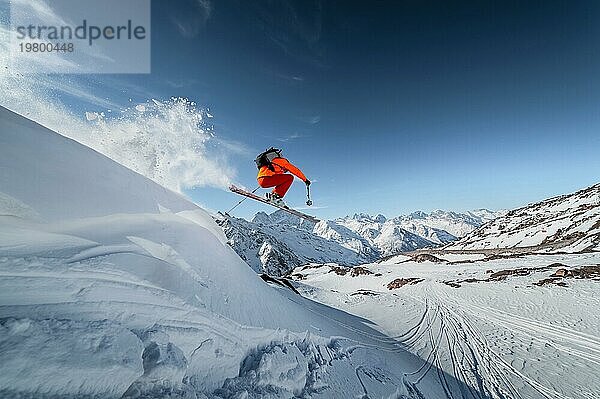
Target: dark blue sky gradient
column 393, row 106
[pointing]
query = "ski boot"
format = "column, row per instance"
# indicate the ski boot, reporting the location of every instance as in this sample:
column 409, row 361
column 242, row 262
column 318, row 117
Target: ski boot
column 275, row 198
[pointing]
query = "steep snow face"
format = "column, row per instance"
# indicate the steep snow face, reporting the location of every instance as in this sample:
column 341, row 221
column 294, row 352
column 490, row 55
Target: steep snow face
column 112, row 286
column 568, row 223
column 42, row 157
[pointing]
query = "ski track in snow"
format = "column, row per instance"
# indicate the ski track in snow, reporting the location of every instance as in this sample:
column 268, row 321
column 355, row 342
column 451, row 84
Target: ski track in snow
column 452, row 337
column 471, row 355
column 521, row 346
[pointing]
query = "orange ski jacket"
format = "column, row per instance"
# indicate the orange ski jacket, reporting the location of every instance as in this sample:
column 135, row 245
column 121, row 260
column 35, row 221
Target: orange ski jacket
column 280, row 166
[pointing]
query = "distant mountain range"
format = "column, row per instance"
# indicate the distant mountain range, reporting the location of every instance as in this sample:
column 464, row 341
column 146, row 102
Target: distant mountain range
column 279, row 242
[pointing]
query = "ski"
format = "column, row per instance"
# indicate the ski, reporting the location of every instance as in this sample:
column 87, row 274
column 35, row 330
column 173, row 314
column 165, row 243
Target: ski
column 287, row 209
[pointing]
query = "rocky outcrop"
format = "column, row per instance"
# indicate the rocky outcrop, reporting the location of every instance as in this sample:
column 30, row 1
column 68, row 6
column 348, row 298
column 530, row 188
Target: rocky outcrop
column 401, row 282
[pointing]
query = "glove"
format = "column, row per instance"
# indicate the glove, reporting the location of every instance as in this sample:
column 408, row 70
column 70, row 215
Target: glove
column 307, row 182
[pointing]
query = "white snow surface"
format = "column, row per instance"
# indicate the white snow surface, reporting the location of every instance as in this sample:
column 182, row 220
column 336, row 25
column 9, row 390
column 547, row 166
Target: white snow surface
column 568, row 223
column 510, row 338
column 113, row 286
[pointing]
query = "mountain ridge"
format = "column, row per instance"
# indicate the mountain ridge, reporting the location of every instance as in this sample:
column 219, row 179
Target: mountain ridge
column 278, row 242
column 568, row 222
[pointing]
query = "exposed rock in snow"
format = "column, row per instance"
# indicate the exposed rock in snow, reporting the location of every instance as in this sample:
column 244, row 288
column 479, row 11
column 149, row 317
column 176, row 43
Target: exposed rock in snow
column 400, row 282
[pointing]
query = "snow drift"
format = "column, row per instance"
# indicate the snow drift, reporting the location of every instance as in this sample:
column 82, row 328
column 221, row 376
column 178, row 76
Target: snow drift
column 113, row 286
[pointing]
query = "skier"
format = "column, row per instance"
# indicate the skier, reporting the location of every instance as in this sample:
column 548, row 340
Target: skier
column 272, row 172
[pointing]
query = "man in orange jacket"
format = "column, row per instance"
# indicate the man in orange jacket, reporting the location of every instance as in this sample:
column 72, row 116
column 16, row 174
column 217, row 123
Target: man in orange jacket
column 272, row 172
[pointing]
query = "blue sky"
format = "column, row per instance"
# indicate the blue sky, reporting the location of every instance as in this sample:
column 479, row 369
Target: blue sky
column 391, row 107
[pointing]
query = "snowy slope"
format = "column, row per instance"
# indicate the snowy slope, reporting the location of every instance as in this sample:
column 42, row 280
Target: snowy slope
column 112, row 286
column 567, row 223
column 504, row 324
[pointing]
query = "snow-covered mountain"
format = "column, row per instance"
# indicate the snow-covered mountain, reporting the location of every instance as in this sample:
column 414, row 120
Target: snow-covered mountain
column 568, row 223
column 279, row 242
column 437, row 227
column 112, row 286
